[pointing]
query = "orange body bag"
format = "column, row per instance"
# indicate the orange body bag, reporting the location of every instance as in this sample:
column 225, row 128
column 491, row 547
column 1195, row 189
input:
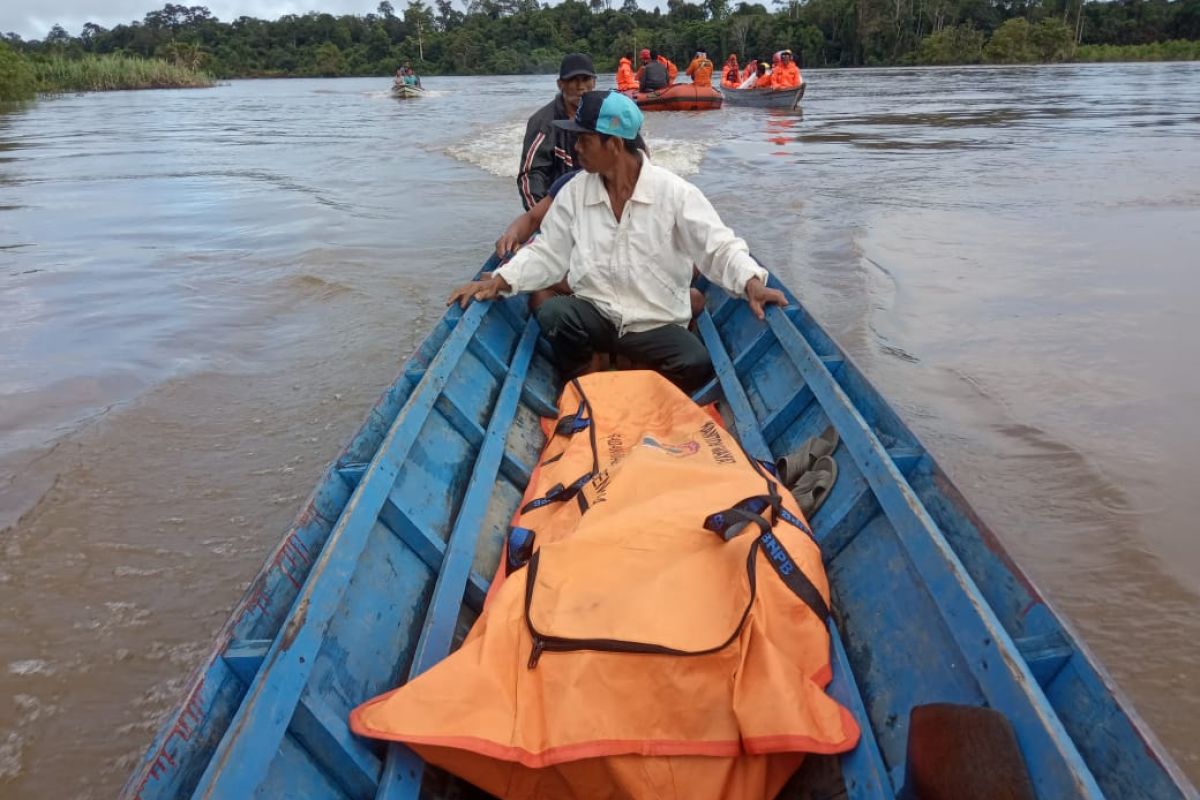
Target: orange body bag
column 667, row 638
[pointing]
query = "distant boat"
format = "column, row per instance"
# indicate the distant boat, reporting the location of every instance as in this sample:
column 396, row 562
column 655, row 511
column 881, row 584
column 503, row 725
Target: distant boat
column 389, row 562
column 679, row 97
column 406, row 91
column 765, row 98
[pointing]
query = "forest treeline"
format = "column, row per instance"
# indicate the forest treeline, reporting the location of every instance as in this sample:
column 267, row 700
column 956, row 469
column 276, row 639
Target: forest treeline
column 524, row 36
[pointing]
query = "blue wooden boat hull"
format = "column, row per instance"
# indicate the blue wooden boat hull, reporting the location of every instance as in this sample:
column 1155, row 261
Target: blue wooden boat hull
column 388, row 563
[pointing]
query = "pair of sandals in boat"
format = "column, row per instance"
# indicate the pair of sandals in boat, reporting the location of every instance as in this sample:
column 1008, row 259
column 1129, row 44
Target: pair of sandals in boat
column 810, row 471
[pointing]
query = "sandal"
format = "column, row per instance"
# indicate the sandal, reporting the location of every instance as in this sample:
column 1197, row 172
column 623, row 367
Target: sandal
column 792, row 466
column 811, row 489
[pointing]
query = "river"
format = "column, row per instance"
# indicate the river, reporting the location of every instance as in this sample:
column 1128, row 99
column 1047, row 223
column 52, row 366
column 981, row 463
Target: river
column 203, row 291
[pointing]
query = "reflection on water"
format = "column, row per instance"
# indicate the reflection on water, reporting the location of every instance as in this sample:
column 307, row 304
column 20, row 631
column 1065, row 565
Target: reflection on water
column 203, row 291
column 783, row 126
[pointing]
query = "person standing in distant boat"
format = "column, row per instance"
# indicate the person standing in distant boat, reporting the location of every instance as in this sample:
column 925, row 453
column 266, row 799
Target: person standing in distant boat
column 654, row 75
column 549, row 151
column 626, row 235
column 643, row 60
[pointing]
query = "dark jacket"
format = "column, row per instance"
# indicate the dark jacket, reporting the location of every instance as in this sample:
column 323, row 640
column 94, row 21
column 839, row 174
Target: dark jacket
column 548, row 152
column 654, row 77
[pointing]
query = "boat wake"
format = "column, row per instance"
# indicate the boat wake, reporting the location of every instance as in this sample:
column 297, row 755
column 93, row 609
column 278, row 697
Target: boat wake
column 500, row 152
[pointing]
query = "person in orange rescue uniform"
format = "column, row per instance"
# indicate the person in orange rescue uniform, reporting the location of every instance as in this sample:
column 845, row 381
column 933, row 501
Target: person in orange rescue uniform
column 626, row 80
column 731, row 74
column 787, row 74
column 672, row 70
column 701, row 69
column 763, row 79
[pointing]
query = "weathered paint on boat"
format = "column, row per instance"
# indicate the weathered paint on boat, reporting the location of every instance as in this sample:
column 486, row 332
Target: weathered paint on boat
column 679, row 97
column 386, row 567
column 765, row 98
column 405, row 92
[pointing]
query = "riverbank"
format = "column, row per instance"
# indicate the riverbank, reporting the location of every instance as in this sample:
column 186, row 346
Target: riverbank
column 24, row 77
column 1176, row 50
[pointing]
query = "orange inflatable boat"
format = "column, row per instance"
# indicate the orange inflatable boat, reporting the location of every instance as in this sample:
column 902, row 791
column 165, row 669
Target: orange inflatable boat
column 679, row 97
column 660, row 632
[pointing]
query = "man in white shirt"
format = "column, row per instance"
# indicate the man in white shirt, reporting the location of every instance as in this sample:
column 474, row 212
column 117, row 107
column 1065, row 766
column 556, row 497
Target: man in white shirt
column 626, row 235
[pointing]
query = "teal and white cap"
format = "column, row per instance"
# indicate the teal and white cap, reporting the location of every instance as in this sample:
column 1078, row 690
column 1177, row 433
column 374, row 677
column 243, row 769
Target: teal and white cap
column 606, row 112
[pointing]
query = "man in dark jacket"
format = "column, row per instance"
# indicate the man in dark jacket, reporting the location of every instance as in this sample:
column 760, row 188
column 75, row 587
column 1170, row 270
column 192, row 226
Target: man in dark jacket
column 654, row 75
column 549, row 151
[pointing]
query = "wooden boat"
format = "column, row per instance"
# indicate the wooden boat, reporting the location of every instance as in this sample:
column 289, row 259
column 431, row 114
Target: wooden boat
column 765, row 98
column 679, row 97
column 404, row 91
column 387, row 565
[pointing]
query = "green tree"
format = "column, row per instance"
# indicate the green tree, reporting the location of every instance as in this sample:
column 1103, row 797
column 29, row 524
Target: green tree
column 957, row 44
column 328, row 60
column 448, row 17
column 526, row 36
column 1052, row 40
column 1011, row 44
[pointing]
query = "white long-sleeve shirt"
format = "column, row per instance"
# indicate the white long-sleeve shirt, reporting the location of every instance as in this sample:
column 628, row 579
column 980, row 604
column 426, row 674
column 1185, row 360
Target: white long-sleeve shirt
column 637, row 272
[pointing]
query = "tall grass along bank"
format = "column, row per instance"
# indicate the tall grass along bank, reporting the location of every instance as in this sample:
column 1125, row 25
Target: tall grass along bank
column 110, row 72
column 17, row 81
column 1177, row 50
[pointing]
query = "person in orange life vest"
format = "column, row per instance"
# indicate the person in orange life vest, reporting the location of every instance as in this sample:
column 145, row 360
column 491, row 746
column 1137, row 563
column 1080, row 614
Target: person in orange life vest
column 787, row 74
column 626, row 80
column 749, row 75
column 731, row 75
column 763, row 78
column 672, row 70
column 701, row 69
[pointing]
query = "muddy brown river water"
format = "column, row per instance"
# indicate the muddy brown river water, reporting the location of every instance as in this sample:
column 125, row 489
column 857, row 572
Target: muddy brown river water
column 202, row 292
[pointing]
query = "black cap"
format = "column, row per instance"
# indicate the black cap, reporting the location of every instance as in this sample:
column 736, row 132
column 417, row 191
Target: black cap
column 575, row 64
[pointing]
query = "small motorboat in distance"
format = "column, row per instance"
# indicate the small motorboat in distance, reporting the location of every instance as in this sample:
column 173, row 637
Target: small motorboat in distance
column 406, row 91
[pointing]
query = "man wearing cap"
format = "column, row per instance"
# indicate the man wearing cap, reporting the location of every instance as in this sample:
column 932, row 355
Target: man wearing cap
column 653, row 75
column 548, row 151
column 787, row 74
column 625, row 235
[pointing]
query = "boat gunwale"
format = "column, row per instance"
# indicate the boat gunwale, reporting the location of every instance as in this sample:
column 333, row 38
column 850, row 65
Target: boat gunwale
column 805, row 325
column 260, row 601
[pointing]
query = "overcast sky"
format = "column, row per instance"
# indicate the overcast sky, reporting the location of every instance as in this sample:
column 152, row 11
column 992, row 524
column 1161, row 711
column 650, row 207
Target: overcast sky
column 32, row 19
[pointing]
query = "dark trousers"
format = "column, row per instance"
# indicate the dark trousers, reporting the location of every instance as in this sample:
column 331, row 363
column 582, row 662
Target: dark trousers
column 577, row 330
